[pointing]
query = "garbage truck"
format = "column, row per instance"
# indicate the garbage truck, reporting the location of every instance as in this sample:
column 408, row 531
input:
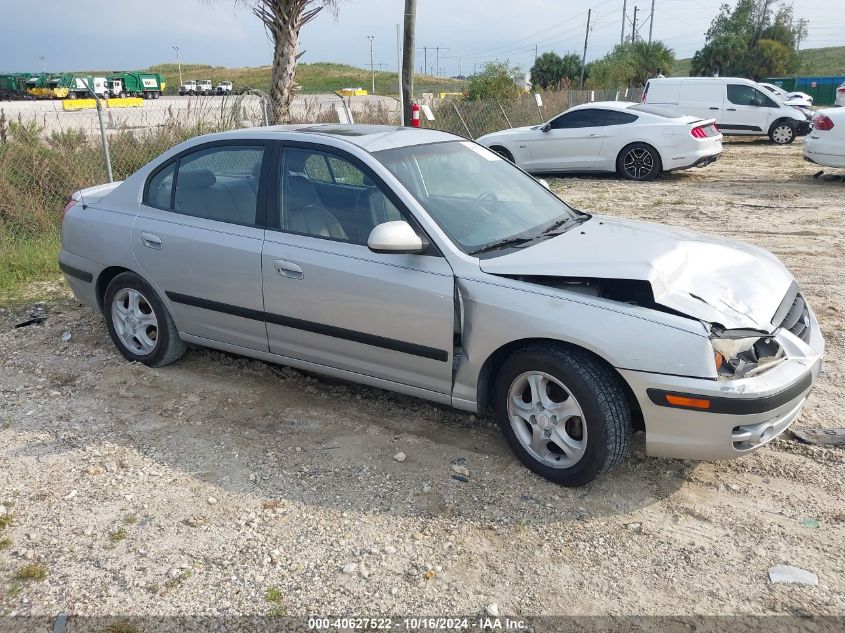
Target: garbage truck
column 135, row 84
column 13, row 86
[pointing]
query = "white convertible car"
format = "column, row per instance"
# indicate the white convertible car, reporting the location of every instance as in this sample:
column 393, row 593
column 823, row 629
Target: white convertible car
column 637, row 141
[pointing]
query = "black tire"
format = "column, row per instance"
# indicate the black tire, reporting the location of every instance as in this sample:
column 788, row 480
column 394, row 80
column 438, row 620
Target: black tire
column 639, row 161
column 122, row 95
column 782, row 132
column 598, row 392
column 168, row 346
column 504, row 153
column 71, row 95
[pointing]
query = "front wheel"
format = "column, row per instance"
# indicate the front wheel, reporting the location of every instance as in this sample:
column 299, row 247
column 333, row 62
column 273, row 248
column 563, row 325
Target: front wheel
column 139, row 324
column 563, row 413
column 782, row 133
column 639, row 161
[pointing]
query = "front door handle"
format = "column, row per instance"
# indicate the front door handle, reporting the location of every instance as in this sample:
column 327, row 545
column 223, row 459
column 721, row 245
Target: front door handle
column 151, row 240
column 714, row 108
column 731, row 109
column 595, row 135
column 288, row 269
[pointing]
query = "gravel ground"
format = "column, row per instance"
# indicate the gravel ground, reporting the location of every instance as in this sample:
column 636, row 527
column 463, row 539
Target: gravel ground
column 221, row 485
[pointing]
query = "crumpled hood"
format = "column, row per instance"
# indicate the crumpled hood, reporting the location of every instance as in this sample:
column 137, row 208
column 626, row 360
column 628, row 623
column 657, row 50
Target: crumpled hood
column 709, row 278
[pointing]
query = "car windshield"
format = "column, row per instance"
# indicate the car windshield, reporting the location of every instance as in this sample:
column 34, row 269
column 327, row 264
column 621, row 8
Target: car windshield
column 480, row 200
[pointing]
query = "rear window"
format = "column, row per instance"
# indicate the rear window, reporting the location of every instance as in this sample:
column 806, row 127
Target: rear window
column 667, row 113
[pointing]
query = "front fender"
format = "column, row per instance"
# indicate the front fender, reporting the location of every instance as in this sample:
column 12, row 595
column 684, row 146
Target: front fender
column 499, row 311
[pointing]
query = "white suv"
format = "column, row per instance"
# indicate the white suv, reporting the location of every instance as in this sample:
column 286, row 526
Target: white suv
column 740, row 106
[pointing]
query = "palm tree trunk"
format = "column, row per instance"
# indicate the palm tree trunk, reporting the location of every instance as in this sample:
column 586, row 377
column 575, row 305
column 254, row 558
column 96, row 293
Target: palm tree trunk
column 283, row 19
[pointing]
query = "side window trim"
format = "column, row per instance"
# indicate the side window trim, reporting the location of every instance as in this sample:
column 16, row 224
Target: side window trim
column 263, row 185
column 274, row 201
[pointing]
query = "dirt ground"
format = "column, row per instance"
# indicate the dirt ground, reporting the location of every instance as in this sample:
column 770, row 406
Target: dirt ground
column 221, row 485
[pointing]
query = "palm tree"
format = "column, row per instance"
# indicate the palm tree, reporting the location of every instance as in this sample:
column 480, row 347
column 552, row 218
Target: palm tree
column 283, row 19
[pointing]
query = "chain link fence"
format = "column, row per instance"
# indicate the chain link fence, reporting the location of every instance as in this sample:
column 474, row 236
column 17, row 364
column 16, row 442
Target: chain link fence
column 47, row 151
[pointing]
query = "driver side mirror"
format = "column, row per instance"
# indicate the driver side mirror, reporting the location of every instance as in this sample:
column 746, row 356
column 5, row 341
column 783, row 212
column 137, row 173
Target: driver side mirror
column 546, row 127
column 395, row 237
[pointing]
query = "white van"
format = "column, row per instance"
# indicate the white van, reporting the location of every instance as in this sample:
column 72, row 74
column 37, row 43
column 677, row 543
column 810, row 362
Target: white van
column 739, row 106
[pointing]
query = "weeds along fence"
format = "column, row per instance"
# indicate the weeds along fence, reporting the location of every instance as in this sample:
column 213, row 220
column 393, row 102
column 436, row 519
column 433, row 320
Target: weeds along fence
column 46, row 153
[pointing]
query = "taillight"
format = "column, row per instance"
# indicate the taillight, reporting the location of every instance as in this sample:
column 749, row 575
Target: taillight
column 822, row 122
column 68, row 204
column 840, row 89
column 698, row 132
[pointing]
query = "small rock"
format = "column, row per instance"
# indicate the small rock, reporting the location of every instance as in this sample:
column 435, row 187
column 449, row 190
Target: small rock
column 460, row 469
column 212, row 501
column 807, row 522
column 71, row 494
column 400, row 456
column 389, row 550
column 349, row 568
column 66, row 337
column 28, row 554
column 363, row 572
column 394, row 591
column 418, row 536
column 634, row 527
column 95, row 470
column 795, row 575
column 2, row 510
column 492, row 610
column 88, row 531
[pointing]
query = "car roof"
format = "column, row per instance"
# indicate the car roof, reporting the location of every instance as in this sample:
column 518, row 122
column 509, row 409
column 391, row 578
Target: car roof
column 372, row 138
column 607, row 105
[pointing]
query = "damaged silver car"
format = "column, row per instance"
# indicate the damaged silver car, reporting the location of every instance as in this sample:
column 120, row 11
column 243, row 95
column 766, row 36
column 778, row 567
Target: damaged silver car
column 420, row 262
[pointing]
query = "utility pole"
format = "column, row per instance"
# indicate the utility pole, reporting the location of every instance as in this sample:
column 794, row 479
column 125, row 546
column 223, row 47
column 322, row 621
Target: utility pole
column 408, row 60
column 535, row 52
column 425, row 60
column 43, row 64
column 437, row 62
column 624, row 17
column 372, row 66
column 399, row 75
column 651, row 22
column 634, row 26
column 178, row 65
column 586, row 39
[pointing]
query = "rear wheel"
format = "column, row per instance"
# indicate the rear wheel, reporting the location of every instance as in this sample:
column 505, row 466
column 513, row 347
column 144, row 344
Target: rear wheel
column 71, row 95
column 501, row 151
column 563, row 413
column 139, row 324
column 122, row 95
column 782, row 133
column 639, row 161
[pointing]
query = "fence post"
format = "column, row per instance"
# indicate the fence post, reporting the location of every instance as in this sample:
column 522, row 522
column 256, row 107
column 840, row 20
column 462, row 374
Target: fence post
column 469, row 134
column 503, row 113
column 105, row 140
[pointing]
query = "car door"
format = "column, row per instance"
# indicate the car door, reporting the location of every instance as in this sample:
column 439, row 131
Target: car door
column 747, row 110
column 329, row 299
column 198, row 238
column 571, row 142
column 704, row 99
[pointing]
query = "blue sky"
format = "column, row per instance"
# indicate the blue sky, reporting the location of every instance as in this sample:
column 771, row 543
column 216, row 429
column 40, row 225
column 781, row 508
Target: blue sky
column 123, row 34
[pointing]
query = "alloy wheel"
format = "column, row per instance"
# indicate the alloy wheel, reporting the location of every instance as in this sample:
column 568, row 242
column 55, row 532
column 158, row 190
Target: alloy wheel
column 638, row 163
column 135, row 321
column 547, row 419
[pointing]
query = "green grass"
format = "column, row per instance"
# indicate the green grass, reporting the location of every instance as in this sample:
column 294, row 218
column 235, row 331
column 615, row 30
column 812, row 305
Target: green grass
column 25, row 259
column 5, row 543
column 118, row 535
column 812, row 61
column 312, row 78
column 273, row 595
column 33, row 571
column 5, row 521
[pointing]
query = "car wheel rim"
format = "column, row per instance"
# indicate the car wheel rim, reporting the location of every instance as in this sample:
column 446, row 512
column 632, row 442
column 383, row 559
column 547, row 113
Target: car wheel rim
column 638, row 163
column 547, row 419
column 782, row 134
column 134, row 321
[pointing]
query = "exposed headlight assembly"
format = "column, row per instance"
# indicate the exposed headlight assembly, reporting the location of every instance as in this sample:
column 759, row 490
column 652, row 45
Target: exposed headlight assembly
column 738, row 355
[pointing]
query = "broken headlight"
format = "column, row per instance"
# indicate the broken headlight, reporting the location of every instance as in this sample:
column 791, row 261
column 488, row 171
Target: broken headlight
column 744, row 356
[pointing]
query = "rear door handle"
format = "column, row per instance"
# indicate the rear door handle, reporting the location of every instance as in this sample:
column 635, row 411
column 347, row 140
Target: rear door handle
column 714, row 108
column 731, row 109
column 288, row 269
column 151, row 240
column 595, row 135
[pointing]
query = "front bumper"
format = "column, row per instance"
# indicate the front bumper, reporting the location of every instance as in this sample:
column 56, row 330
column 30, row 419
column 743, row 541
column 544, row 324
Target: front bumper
column 746, row 413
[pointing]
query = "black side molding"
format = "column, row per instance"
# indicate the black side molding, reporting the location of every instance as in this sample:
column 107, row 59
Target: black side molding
column 309, row 326
column 734, row 406
column 76, row 273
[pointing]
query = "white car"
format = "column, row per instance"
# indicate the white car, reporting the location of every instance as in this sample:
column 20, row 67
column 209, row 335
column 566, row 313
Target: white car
column 825, row 145
column 636, row 141
column 789, row 98
column 840, row 96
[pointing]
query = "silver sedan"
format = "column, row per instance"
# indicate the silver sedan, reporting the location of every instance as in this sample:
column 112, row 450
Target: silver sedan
column 417, row 261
